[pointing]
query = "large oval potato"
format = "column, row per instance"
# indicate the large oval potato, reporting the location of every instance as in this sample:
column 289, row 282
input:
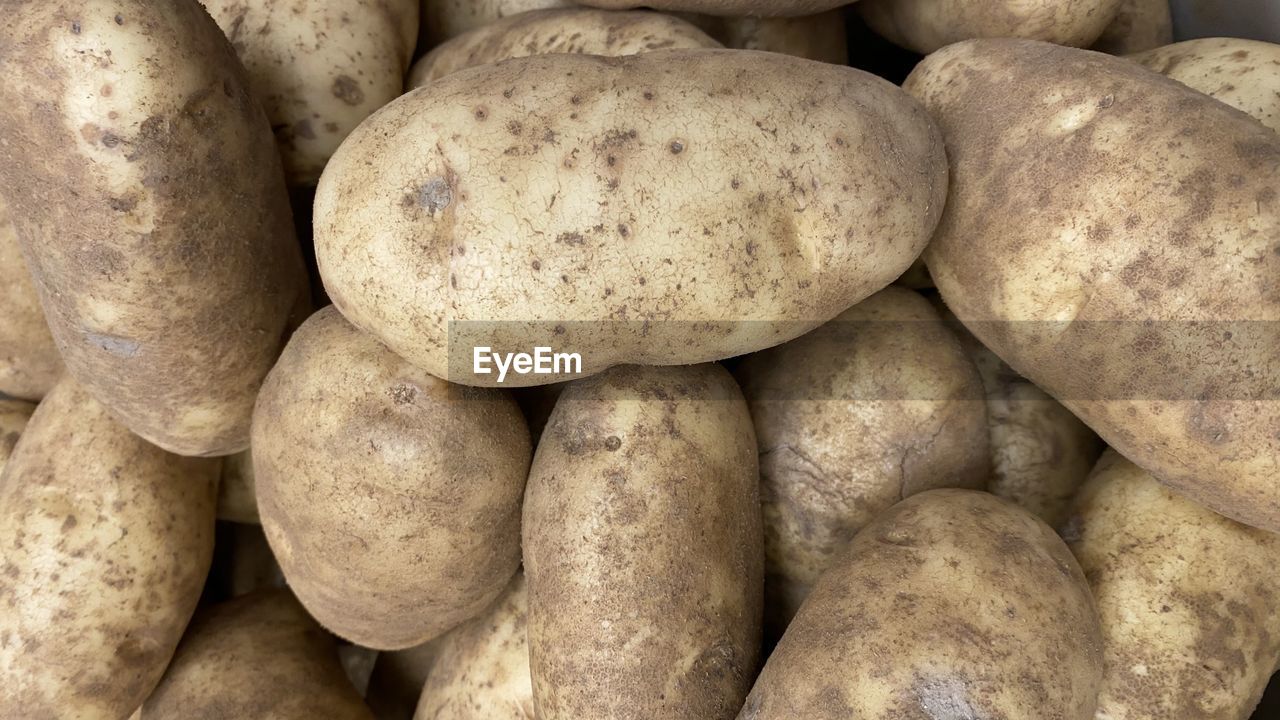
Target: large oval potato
column 29, row 360
column 258, row 656
column 107, row 541
column 319, row 67
column 731, row 8
column 1187, row 599
column 391, row 499
column 952, row 605
column 444, row 19
column 1244, row 74
column 128, row 122
column 662, row 208
column 543, row 32
column 877, row 405
column 14, row 415
column 1139, row 25
column 642, row 548
column 815, row 37
column 927, row 25
column 1153, row 316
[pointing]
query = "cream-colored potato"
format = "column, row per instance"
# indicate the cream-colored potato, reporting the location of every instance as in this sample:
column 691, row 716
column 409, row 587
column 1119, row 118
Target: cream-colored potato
column 642, row 548
column 29, row 361
column 928, row 25
column 816, row 37
column 655, row 209
column 543, row 32
column 1244, row 74
column 391, row 498
column 1187, row 599
column 14, row 415
column 237, row 499
column 106, row 543
column 1152, row 316
column 258, row 656
column 319, row 67
column 147, row 194
column 482, row 671
column 1140, row 25
column 877, row 405
column 444, row 19
column 952, row 605
column 730, row 8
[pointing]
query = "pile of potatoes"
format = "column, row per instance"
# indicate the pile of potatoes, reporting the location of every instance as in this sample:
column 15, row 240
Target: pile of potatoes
column 957, row 399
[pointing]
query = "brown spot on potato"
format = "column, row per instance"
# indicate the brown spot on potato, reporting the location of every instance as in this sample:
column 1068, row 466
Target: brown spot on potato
column 69, row 523
column 403, row 394
column 435, row 195
column 677, row 147
column 612, row 443
column 347, row 90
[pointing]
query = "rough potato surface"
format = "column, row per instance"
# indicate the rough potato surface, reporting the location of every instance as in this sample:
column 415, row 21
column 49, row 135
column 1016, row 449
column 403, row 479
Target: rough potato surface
column 1139, row 25
column 731, row 8
column 1244, row 74
column 29, row 360
column 928, row 25
column 444, row 19
column 14, row 415
column 815, row 37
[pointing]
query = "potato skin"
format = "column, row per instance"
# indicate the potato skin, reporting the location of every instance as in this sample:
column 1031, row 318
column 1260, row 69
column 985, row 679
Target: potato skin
column 258, row 656
column 625, row 211
column 643, row 513
column 174, row 313
column 1187, row 599
column 1244, row 74
column 445, row 19
column 391, row 499
column 1139, row 25
column 952, row 604
column 14, row 415
column 1169, row 356
column 543, row 32
column 319, row 67
column 928, row 25
column 818, row 37
column 730, row 8
column 879, row 404
column 29, row 360
column 107, row 543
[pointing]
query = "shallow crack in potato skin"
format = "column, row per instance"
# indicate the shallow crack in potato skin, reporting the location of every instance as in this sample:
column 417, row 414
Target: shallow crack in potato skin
column 653, row 209
column 258, row 656
column 951, row 604
column 1139, row 25
column 14, row 415
column 728, row 8
column 391, row 499
column 29, row 360
column 148, row 198
column 541, row 32
column 106, row 544
column 1187, row 599
column 928, row 25
column 1151, row 315
column 876, row 405
column 643, row 548
column 1244, row 74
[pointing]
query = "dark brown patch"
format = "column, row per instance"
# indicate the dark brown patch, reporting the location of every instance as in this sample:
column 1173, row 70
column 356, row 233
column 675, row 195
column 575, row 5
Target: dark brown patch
column 347, row 90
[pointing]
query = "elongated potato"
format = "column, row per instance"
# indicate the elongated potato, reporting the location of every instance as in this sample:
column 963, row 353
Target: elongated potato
column 1244, row 74
column 731, row 8
column 1153, row 316
column 815, row 37
column 107, row 541
column 482, row 671
column 14, row 415
column 655, row 209
column 1187, row 599
column 127, row 122
column 643, row 513
column 391, row 499
column 952, row 605
column 877, row 405
column 544, row 32
column 927, row 25
column 258, row 656
column 29, row 361
column 319, row 67
column 444, row 19
column 237, row 497
column 1139, row 25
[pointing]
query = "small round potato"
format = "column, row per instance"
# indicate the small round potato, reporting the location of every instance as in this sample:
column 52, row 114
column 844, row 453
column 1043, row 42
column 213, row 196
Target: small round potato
column 815, row 37
column 319, row 67
column 107, row 541
column 1187, row 598
column 642, row 548
column 391, row 499
column 258, row 656
column 445, row 19
column 1140, row 25
column 14, row 415
column 237, row 496
column 29, row 360
column 952, row 605
column 543, row 32
column 1244, row 74
column 729, row 8
column 877, row 405
column 928, row 25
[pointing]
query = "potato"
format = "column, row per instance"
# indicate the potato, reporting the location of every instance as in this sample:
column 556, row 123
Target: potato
column 444, row 19
column 951, row 605
column 927, row 25
column 1150, row 315
column 14, row 415
column 876, row 405
column 730, row 8
column 1244, row 74
column 398, row 677
column 391, row 499
column 128, row 122
column 237, row 499
column 482, row 671
column 1187, row 599
column 319, row 67
column 654, row 209
column 29, row 361
column 816, row 37
column 642, row 548
column 1140, row 25
column 543, row 32
column 107, row 541
column 258, row 656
